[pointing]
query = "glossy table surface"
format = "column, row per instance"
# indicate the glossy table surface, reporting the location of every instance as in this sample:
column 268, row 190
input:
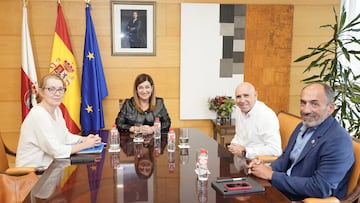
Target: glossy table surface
column 144, row 173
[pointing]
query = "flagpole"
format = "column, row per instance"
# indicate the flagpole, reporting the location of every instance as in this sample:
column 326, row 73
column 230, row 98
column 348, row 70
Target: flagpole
column 87, row 2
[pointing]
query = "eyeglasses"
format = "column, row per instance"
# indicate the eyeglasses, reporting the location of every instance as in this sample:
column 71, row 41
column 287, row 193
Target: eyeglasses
column 53, row 90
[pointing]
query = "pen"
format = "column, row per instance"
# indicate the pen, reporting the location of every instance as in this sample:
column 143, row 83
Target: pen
column 229, row 180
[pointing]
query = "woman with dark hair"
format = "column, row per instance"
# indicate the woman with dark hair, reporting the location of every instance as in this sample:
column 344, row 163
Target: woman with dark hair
column 144, row 164
column 143, row 108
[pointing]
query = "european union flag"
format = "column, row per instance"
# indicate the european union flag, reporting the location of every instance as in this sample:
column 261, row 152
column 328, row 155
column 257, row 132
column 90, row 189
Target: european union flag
column 93, row 85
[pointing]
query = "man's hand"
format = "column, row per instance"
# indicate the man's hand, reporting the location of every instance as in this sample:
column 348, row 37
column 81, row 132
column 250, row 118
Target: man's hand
column 257, row 168
column 236, row 149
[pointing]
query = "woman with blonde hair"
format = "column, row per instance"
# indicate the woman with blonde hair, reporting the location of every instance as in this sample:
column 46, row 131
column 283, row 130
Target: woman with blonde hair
column 43, row 134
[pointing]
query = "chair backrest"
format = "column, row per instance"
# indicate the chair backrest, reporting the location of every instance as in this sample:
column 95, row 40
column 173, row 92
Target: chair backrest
column 354, row 178
column 287, row 122
column 121, row 102
column 16, row 188
column 4, row 164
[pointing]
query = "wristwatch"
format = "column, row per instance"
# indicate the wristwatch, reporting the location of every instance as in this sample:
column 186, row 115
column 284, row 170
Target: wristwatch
column 243, row 153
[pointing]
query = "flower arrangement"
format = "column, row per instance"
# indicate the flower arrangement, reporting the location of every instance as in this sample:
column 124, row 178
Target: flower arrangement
column 222, row 105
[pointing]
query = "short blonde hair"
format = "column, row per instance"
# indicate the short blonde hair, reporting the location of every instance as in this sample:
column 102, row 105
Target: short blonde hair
column 43, row 82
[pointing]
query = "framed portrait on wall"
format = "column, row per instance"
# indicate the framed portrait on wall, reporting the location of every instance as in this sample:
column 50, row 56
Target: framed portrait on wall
column 133, row 28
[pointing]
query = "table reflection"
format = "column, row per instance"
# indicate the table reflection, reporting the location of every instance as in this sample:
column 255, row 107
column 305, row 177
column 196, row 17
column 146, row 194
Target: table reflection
column 146, row 172
column 50, row 186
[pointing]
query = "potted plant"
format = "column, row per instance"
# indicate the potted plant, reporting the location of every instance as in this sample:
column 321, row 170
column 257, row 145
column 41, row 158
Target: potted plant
column 223, row 106
column 331, row 64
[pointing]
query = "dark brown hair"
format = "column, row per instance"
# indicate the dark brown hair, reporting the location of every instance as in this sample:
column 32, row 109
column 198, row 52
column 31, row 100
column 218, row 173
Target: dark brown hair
column 152, row 101
column 145, row 156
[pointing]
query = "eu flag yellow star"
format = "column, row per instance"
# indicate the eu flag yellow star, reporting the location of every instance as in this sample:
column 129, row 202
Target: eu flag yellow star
column 89, row 109
column 93, row 167
column 90, row 56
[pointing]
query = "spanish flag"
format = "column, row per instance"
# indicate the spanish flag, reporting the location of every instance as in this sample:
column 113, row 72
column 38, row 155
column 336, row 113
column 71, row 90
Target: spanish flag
column 63, row 63
column 28, row 73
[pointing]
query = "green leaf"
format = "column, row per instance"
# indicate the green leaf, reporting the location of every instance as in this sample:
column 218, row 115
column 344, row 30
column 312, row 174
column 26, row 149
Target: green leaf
column 337, row 73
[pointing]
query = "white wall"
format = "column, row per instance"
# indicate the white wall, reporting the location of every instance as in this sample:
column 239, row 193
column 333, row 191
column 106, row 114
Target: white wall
column 201, row 50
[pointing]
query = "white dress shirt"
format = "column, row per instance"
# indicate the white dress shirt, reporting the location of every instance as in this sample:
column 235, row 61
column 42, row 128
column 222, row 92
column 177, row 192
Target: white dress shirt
column 42, row 138
column 258, row 131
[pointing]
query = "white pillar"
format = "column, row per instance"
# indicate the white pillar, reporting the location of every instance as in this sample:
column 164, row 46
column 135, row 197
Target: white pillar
column 352, row 7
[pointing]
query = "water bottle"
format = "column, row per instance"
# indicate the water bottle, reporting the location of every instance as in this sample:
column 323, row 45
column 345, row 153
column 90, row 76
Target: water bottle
column 202, row 165
column 202, row 191
column 157, row 128
column 171, row 140
column 171, row 162
column 157, row 147
column 114, row 139
column 115, row 160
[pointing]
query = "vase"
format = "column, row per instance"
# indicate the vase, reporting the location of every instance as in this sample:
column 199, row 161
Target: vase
column 223, row 119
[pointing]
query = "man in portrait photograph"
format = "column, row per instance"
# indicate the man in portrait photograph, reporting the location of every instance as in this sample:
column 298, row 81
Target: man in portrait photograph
column 134, row 25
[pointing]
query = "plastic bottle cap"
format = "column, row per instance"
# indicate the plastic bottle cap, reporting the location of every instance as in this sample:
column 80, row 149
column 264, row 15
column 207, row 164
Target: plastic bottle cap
column 202, row 150
column 113, row 125
column 171, row 129
column 157, row 119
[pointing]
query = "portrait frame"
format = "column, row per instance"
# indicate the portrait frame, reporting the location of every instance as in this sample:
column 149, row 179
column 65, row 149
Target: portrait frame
column 133, row 37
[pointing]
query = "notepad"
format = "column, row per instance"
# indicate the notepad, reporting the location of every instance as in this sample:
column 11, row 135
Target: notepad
column 93, row 150
column 77, row 159
column 254, row 187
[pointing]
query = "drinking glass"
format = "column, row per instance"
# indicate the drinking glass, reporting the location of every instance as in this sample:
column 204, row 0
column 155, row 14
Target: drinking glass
column 138, row 148
column 184, row 138
column 138, row 135
column 184, row 155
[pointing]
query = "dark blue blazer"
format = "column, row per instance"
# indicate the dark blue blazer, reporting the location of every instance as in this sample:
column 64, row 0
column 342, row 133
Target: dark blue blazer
column 323, row 168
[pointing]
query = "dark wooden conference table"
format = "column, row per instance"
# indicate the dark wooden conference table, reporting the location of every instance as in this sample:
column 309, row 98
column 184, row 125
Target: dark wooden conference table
column 144, row 173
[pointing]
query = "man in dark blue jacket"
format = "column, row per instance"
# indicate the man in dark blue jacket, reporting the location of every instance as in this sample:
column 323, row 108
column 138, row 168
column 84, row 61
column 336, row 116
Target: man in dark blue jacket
column 319, row 155
column 134, row 28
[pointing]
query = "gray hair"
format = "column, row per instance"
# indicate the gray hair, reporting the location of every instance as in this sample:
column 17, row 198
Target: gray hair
column 327, row 89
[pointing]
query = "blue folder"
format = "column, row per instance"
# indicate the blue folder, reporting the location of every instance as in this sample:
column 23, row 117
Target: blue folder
column 93, row 150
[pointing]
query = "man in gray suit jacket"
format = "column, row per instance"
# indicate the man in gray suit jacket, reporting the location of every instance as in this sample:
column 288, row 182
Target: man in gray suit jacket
column 319, row 155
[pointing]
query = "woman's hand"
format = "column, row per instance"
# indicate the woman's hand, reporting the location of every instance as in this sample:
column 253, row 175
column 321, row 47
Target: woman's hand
column 146, row 129
column 86, row 142
column 92, row 140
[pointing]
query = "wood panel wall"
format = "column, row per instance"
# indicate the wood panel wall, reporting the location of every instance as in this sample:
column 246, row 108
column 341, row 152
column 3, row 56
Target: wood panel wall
column 268, row 52
column 120, row 71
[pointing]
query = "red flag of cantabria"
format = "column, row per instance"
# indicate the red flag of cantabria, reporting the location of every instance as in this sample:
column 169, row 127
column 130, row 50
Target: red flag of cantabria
column 28, row 73
column 63, row 63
